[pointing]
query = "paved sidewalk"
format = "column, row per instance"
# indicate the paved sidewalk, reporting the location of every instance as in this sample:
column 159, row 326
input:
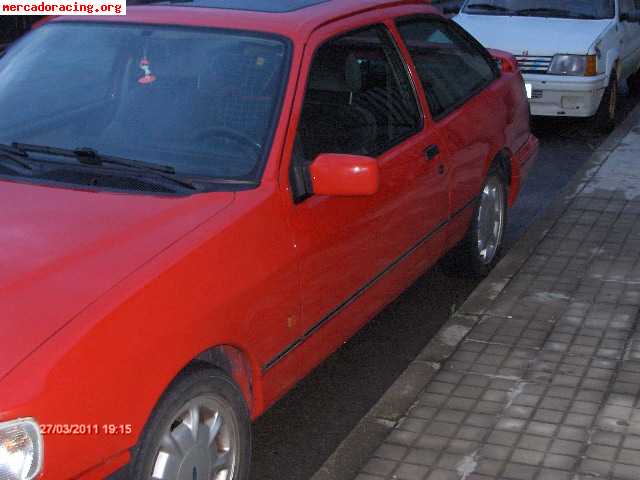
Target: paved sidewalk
column 542, row 379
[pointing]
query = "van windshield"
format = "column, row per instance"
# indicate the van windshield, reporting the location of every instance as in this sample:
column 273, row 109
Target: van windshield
column 202, row 101
column 584, row 9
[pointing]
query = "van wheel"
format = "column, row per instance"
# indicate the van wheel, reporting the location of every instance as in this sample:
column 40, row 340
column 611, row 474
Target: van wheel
column 605, row 117
column 199, row 430
column 634, row 83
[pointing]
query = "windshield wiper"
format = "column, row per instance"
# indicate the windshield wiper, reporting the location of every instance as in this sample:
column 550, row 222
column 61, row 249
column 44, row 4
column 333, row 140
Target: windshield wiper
column 230, row 181
column 556, row 12
column 489, row 7
column 88, row 156
column 14, row 155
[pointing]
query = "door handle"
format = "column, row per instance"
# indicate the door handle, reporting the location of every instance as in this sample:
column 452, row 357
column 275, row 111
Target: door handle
column 431, row 152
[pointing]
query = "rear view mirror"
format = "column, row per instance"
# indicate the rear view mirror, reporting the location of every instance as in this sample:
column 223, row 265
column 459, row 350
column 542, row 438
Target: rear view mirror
column 448, row 7
column 344, row 175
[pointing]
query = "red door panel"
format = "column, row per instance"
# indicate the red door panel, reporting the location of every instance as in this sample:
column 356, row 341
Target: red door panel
column 347, row 245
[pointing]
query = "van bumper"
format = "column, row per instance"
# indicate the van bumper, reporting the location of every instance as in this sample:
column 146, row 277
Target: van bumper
column 558, row 96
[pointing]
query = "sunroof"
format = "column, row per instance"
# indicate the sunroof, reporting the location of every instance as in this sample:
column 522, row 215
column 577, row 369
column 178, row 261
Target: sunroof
column 274, row 6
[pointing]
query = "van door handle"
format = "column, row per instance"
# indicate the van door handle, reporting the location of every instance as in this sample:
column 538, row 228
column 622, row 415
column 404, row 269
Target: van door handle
column 431, row 152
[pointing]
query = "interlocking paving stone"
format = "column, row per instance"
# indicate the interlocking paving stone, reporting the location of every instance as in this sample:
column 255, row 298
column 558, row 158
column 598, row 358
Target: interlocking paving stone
column 546, row 385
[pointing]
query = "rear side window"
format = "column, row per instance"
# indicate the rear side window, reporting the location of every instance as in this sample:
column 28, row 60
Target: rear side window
column 359, row 98
column 451, row 67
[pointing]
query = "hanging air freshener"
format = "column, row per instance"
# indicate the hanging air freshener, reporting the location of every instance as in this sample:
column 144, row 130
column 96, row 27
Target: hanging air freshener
column 148, row 77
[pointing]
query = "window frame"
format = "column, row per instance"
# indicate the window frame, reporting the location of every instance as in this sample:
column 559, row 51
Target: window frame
column 256, row 175
column 299, row 177
column 475, row 44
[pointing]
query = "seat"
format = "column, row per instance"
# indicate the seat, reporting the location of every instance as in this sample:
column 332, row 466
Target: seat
column 331, row 121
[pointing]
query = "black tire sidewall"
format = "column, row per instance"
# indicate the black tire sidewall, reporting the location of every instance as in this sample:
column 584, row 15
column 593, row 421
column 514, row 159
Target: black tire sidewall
column 477, row 266
column 634, row 83
column 186, row 387
column 603, row 120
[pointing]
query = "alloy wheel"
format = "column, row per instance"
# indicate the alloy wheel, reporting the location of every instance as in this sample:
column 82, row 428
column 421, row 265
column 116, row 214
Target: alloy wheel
column 491, row 218
column 200, row 443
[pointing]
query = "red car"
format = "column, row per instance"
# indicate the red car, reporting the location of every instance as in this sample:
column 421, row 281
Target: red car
column 202, row 200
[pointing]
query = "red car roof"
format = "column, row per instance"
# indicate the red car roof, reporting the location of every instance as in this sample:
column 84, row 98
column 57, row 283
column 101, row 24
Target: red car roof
column 293, row 24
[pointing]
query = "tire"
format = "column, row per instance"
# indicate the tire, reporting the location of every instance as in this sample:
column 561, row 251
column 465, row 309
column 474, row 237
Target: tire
column 480, row 250
column 605, row 118
column 634, row 83
column 218, row 448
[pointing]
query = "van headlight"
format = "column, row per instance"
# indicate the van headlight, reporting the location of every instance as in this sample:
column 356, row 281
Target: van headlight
column 576, row 65
column 20, row 449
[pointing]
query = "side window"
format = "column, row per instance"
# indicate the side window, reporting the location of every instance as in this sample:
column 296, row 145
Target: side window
column 450, row 67
column 359, row 98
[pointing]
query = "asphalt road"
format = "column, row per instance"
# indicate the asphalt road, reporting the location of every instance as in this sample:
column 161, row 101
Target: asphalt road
column 296, row 436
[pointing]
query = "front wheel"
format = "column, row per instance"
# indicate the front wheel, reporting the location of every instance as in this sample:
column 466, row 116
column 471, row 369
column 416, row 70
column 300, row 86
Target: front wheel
column 200, row 430
column 605, row 117
column 485, row 237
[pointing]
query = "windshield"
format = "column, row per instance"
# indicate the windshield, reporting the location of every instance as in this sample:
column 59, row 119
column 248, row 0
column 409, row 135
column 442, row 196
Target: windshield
column 202, row 101
column 586, row 9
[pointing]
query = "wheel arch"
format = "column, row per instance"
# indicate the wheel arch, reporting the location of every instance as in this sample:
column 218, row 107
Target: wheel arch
column 503, row 161
column 613, row 65
column 234, row 362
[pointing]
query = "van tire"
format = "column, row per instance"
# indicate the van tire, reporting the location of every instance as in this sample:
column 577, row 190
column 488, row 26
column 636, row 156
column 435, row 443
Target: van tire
column 605, row 118
column 633, row 83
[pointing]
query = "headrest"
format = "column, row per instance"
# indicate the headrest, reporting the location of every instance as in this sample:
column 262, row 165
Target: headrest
column 336, row 70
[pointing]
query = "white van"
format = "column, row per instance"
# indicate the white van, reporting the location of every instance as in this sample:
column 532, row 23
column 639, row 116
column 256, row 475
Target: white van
column 572, row 53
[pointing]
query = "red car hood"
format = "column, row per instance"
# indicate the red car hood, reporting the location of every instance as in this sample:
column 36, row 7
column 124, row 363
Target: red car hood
column 61, row 249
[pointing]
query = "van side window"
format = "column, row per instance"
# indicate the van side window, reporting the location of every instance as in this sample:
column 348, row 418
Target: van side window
column 359, row 97
column 451, row 68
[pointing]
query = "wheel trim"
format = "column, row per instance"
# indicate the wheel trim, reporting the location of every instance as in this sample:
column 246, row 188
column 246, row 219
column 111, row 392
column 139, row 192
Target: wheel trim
column 201, row 442
column 490, row 222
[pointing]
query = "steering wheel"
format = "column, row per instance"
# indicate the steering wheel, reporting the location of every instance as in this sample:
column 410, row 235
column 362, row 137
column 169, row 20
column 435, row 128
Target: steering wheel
column 227, row 132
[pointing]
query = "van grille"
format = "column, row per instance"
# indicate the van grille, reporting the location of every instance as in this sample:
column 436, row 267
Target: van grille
column 534, row 64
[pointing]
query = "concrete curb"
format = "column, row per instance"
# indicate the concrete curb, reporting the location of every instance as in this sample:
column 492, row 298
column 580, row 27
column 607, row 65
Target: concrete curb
column 364, row 439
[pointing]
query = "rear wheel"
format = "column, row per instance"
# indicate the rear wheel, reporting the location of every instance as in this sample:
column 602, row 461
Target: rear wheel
column 478, row 253
column 200, row 430
column 484, row 239
column 605, row 117
column 634, row 83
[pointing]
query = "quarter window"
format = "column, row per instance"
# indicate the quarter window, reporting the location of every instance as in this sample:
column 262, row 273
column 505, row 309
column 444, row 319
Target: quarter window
column 450, row 67
column 359, row 98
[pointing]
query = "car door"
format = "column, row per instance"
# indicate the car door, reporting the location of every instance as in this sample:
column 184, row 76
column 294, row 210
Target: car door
column 630, row 37
column 358, row 99
column 456, row 75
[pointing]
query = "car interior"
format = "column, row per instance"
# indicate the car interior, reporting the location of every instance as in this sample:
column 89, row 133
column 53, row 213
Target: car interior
column 354, row 102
